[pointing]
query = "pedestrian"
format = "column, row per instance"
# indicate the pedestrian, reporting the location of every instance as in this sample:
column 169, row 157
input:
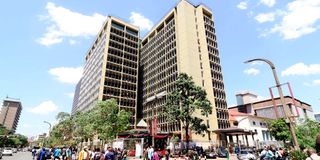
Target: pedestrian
column 97, row 154
column 150, row 153
column 33, row 151
column 145, row 154
column 42, row 154
column 68, row 153
column 57, row 153
column 74, row 155
column 312, row 155
column 109, row 155
column 124, row 154
column 279, row 154
column 155, row 156
column 84, row 154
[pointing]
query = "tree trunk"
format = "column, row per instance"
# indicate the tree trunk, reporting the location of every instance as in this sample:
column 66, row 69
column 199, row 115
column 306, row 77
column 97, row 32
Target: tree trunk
column 187, row 136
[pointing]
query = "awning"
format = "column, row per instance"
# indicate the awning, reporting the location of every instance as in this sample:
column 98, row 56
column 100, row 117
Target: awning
column 234, row 131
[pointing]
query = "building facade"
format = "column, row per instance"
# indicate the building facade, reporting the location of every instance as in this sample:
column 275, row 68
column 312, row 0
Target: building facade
column 317, row 117
column 260, row 135
column 76, row 98
column 265, row 108
column 184, row 41
column 111, row 67
column 10, row 113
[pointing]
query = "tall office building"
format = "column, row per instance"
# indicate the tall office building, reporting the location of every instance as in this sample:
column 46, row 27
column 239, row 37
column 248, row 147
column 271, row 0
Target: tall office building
column 10, row 113
column 111, row 67
column 184, row 41
column 76, row 98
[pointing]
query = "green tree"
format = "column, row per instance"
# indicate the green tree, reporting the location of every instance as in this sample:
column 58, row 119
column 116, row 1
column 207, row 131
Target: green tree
column 279, row 129
column 307, row 133
column 62, row 133
column 109, row 119
column 182, row 104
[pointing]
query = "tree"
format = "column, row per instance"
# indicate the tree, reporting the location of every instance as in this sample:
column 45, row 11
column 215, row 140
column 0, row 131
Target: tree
column 279, row 129
column 307, row 133
column 182, row 104
column 110, row 120
column 62, row 133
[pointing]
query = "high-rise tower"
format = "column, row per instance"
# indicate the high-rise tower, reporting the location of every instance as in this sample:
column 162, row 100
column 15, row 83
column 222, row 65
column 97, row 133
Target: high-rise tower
column 111, row 67
column 184, row 41
column 10, row 113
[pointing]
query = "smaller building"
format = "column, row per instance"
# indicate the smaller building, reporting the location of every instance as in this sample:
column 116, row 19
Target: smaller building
column 256, row 127
column 317, row 116
column 10, row 113
column 272, row 108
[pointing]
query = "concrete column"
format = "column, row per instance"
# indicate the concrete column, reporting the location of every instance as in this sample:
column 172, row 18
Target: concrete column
column 247, row 140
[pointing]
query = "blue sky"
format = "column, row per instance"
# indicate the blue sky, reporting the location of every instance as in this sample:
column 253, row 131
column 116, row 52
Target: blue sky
column 43, row 45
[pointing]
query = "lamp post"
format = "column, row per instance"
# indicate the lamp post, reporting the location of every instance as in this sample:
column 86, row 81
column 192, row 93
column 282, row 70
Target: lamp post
column 285, row 107
column 49, row 126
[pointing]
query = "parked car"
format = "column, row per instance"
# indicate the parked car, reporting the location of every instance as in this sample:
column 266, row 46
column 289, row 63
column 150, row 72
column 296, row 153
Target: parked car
column 222, row 152
column 210, row 154
column 14, row 150
column 246, row 154
column 7, row 151
column 0, row 153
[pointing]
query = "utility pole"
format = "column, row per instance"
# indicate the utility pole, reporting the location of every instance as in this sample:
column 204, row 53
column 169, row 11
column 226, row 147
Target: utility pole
column 284, row 105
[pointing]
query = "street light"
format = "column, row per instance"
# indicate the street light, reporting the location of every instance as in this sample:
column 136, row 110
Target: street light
column 285, row 107
column 49, row 126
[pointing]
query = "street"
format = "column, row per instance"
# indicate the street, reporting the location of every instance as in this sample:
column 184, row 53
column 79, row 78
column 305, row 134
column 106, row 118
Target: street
column 18, row 156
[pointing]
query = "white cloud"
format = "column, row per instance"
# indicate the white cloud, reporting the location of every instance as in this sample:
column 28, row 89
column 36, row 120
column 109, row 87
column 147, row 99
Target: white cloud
column 251, row 71
column 67, row 74
column 66, row 23
column 269, row 3
column 242, row 5
column 70, row 95
column 73, row 42
column 139, row 20
column 265, row 17
column 301, row 69
column 316, row 82
column 46, row 107
column 300, row 19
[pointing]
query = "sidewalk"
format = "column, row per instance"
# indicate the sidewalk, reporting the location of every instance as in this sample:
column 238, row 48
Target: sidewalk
column 233, row 157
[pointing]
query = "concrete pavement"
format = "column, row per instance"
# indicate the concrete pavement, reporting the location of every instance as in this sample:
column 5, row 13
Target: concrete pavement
column 233, row 157
column 19, row 156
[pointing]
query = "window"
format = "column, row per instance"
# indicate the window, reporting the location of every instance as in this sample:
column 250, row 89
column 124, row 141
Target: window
column 261, row 124
column 254, row 123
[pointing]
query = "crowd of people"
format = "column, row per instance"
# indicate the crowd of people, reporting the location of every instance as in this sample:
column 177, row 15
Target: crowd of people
column 268, row 153
column 69, row 153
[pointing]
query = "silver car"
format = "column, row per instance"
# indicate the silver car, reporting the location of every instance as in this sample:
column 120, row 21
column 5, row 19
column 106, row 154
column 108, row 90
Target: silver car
column 246, row 154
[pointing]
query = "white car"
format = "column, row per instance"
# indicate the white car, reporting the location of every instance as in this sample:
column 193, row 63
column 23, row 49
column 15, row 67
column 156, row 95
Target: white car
column 7, row 151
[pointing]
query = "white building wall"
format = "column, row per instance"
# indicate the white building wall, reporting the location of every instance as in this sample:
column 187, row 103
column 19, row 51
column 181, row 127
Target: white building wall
column 254, row 124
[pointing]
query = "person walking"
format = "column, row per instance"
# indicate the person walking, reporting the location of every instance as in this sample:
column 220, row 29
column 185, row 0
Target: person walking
column 150, row 153
column 68, row 153
column 33, row 153
column 110, row 154
column 97, row 154
column 57, row 153
column 155, row 156
column 74, row 155
column 42, row 154
column 84, row 154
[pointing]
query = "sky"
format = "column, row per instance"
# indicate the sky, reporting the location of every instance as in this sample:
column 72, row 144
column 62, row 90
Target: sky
column 43, row 45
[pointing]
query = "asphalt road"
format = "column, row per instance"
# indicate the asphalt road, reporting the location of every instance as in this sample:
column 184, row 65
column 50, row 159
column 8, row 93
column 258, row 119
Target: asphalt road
column 19, row 156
